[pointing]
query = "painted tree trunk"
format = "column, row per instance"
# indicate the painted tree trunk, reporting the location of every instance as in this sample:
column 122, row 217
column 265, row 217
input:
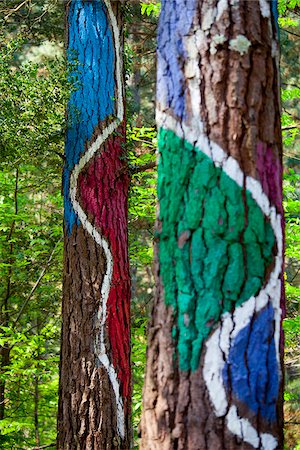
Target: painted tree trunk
column 214, row 361
column 94, row 405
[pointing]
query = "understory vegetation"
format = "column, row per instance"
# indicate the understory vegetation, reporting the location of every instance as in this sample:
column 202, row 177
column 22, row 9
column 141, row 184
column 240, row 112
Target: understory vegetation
column 34, row 90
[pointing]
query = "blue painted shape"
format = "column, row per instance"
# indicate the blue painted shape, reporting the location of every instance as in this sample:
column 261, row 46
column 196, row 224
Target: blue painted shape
column 251, row 366
column 274, row 6
column 175, row 22
column 91, row 51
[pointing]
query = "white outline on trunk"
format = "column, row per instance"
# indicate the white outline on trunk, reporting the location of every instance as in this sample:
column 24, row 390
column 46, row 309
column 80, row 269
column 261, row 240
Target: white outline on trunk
column 92, row 230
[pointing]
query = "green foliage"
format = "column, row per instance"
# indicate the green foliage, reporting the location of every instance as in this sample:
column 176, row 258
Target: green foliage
column 291, row 205
column 138, row 355
column 150, row 8
column 38, row 21
column 292, row 326
column 292, row 216
column 287, row 22
column 30, row 323
column 290, row 69
column 32, row 124
column 285, row 5
column 33, row 94
column 141, row 43
column 292, row 413
column 29, row 124
column 141, row 142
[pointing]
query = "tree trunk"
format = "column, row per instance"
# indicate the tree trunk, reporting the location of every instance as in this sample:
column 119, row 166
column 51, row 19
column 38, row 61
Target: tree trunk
column 36, row 390
column 4, row 314
column 5, row 353
column 36, row 411
column 94, row 405
column 214, row 362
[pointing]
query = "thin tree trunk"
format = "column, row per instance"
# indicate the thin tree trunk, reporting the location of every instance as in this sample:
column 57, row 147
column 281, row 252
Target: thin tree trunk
column 36, row 411
column 94, row 406
column 5, row 352
column 5, row 348
column 36, row 392
column 214, row 361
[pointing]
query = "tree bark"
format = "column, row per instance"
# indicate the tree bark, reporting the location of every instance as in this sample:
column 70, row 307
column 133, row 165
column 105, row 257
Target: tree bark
column 94, row 405
column 37, row 392
column 214, row 375
column 4, row 315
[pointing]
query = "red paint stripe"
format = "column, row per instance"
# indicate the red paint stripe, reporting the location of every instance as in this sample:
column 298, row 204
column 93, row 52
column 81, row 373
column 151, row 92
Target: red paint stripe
column 103, row 195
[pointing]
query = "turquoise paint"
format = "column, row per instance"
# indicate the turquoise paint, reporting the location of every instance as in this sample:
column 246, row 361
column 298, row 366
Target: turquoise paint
column 212, row 259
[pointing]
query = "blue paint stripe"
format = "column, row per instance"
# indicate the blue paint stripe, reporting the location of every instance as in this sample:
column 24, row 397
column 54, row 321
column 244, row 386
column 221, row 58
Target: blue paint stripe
column 250, row 370
column 175, row 22
column 274, row 6
column 91, row 50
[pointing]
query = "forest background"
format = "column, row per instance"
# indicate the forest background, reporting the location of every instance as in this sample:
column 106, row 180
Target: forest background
column 34, row 90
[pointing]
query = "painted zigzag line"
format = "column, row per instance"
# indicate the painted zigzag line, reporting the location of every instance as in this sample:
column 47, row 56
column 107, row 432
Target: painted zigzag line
column 105, row 288
column 218, row 344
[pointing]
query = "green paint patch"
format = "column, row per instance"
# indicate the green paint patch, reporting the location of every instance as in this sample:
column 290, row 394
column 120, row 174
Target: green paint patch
column 213, row 249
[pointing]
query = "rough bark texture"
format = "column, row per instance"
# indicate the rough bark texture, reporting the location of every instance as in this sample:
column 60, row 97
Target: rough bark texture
column 214, row 361
column 4, row 314
column 94, row 404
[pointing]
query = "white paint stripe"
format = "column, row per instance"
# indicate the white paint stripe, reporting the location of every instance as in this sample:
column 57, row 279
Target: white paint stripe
column 222, row 6
column 265, row 8
column 105, row 288
column 218, row 344
column 242, row 428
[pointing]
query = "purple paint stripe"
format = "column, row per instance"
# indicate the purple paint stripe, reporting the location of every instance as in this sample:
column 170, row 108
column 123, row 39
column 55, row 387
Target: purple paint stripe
column 269, row 169
column 270, row 174
column 175, row 22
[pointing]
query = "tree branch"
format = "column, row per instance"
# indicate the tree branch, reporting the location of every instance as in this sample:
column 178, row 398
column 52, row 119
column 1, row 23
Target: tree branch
column 11, row 250
column 291, row 84
column 290, row 127
column 37, row 282
column 291, row 157
column 61, row 155
column 12, row 11
column 44, row 446
column 290, row 32
column 296, row 118
column 143, row 167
